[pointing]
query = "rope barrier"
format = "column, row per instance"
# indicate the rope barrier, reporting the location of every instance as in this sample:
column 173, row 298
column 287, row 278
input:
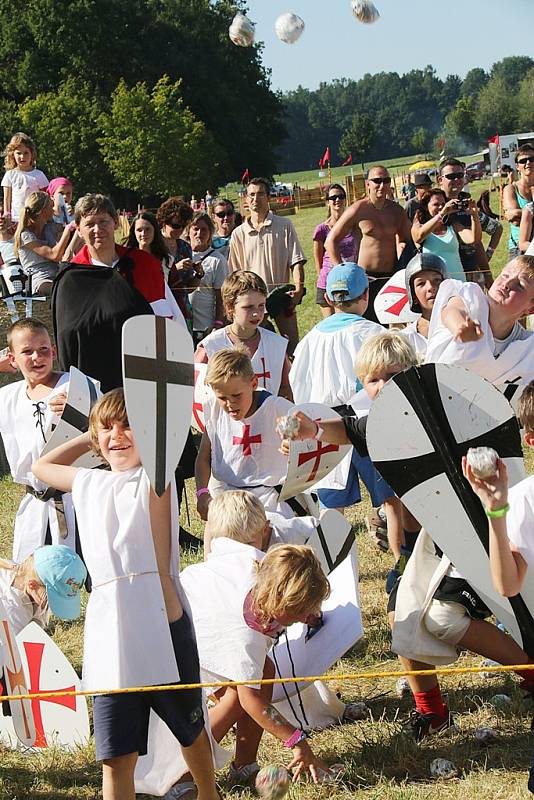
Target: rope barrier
column 350, row 676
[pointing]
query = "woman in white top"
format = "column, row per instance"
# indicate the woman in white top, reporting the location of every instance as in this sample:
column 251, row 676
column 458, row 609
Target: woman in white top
column 437, row 230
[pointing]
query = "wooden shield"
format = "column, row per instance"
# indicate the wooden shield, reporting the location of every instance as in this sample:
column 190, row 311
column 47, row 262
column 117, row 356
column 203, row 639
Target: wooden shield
column 158, row 386
column 59, row 721
column 81, row 396
column 391, row 303
column 421, row 424
column 16, row 683
column 303, row 656
column 310, row 461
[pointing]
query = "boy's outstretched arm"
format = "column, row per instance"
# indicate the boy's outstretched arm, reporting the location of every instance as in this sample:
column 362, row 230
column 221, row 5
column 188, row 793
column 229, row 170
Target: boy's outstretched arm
column 202, row 475
column 456, row 318
column 508, row 567
column 54, row 468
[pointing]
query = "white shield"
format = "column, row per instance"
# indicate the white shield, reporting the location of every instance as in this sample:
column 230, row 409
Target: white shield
column 200, row 397
column 310, row 461
column 59, row 721
column 158, row 386
column 81, row 396
column 342, row 627
column 332, row 539
column 15, row 677
column 391, row 303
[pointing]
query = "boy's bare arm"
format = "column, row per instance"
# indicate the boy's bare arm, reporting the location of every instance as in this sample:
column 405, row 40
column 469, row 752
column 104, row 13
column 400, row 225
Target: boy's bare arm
column 161, row 527
column 455, row 317
column 54, row 469
column 203, row 474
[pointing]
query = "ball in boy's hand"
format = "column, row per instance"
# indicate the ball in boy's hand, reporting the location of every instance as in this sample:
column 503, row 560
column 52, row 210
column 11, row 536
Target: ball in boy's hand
column 483, row 462
column 287, row 427
column 272, row 782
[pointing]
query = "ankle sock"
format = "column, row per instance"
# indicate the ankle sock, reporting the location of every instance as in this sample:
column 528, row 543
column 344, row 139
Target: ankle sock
column 431, row 702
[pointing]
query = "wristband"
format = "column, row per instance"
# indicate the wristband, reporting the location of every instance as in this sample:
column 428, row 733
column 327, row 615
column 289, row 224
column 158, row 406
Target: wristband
column 499, row 512
column 200, row 492
column 318, row 435
column 296, row 738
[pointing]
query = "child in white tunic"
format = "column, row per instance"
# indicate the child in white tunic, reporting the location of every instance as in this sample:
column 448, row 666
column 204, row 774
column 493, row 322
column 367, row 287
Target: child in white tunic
column 244, row 294
column 136, row 630
column 240, row 600
column 511, row 519
column 240, row 446
column 28, row 410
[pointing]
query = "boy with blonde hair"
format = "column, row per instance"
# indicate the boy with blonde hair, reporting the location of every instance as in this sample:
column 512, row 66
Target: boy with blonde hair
column 240, row 447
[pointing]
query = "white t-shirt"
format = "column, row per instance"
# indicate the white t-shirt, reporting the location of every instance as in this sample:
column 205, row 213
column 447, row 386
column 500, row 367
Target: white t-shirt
column 215, row 268
column 520, row 518
column 23, row 184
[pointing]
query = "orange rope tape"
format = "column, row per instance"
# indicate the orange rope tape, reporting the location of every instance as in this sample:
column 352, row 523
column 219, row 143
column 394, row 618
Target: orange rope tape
column 268, row 681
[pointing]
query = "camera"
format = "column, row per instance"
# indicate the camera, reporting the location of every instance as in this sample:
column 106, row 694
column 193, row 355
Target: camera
column 462, row 202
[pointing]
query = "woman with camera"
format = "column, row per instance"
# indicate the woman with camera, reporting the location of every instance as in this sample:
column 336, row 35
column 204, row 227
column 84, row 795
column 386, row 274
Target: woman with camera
column 437, row 230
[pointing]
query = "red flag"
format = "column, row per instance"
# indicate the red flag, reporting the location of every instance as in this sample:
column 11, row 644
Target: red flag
column 326, row 158
column 494, row 139
column 245, row 176
column 347, row 161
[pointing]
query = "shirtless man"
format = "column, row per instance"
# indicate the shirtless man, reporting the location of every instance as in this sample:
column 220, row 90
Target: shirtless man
column 376, row 223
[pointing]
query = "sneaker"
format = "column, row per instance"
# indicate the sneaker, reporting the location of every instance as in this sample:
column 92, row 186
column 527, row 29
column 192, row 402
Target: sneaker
column 182, row 791
column 430, row 724
column 377, row 530
column 243, row 776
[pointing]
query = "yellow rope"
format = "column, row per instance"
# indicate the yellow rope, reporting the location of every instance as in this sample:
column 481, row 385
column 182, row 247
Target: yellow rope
column 269, row 681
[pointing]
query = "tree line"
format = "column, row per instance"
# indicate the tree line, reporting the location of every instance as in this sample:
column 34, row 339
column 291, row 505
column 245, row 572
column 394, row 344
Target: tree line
column 388, row 115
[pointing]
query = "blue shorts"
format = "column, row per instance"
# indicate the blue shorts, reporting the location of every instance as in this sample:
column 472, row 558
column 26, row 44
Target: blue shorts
column 377, row 487
column 121, row 720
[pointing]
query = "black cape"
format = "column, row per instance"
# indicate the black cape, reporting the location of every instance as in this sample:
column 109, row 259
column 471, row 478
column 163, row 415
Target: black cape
column 90, row 304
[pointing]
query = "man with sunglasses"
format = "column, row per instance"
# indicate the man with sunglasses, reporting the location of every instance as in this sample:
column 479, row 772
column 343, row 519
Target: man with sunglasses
column 377, row 223
column 518, row 194
column 225, row 222
column 473, row 256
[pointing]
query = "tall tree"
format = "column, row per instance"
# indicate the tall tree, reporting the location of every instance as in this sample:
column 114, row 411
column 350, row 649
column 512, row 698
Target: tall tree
column 512, row 69
column 525, row 102
column 358, row 139
column 154, row 145
column 497, row 109
column 474, row 81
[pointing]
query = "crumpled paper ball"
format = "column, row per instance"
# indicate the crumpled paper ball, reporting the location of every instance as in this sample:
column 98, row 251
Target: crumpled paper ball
column 241, row 31
column 365, row 11
column 272, row 782
column 289, row 28
column 483, row 462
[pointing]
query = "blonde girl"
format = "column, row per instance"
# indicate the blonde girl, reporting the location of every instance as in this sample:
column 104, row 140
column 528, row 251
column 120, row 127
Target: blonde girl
column 21, row 177
column 35, row 242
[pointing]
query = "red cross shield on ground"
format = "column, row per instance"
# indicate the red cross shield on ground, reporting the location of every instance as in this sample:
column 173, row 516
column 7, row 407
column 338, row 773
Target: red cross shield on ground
column 59, row 721
column 311, row 461
column 391, row 303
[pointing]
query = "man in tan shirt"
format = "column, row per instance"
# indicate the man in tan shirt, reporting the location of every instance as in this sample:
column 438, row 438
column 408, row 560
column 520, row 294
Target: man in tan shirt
column 268, row 245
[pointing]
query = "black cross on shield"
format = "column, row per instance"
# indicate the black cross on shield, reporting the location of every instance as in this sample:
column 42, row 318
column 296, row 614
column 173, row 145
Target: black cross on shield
column 163, row 372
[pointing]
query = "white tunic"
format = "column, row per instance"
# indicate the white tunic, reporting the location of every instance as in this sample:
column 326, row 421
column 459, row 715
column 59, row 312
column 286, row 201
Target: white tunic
column 324, row 367
column 520, row 518
column 24, row 428
column 416, row 339
column 245, row 453
column 513, row 363
column 127, row 641
column 267, row 361
column 216, row 589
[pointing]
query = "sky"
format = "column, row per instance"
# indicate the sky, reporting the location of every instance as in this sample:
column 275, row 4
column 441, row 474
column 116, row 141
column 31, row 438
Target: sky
column 407, row 36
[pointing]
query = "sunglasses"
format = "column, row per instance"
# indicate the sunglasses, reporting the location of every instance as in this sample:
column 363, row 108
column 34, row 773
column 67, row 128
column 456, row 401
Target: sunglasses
column 334, row 197
column 223, row 214
column 175, row 225
column 454, row 176
column 527, row 160
column 380, row 180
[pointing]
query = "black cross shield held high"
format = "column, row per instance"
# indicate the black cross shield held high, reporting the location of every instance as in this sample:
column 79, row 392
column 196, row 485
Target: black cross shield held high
column 421, row 388
column 163, row 372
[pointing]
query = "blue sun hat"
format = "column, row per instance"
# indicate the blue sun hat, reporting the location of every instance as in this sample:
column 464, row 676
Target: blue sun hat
column 63, row 573
column 346, row 282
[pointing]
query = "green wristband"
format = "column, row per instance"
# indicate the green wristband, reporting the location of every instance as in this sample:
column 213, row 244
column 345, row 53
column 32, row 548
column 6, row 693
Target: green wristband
column 499, row 512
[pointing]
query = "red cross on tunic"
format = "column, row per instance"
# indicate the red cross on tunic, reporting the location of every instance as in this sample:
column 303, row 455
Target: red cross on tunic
column 198, row 408
column 316, row 454
column 397, row 307
column 265, row 374
column 247, row 440
column 34, row 655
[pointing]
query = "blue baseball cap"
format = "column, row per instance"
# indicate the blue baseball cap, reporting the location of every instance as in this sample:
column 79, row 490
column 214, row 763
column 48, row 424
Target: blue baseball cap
column 63, row 573
column 346, row 281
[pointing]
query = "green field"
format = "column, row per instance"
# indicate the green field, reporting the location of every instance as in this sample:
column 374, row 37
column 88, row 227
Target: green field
column 382, row 761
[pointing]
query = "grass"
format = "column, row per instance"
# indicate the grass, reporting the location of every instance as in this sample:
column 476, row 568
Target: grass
column 382, row 762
